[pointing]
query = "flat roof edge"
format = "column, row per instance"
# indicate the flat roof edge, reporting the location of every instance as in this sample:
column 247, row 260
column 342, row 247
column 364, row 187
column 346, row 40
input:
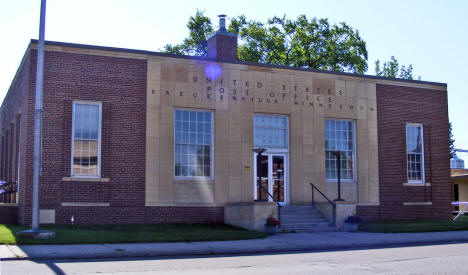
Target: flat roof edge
column 135, row 51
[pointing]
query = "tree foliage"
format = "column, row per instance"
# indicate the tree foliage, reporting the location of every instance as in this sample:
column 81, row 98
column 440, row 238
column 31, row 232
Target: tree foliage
column 301, row 42
column 200, row 26
column 451, row 142
column 393, row 70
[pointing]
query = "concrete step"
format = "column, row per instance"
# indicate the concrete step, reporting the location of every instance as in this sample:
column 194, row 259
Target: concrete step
column 304, row 214
column 305, row 224
column 304, row 218
column 309, row 230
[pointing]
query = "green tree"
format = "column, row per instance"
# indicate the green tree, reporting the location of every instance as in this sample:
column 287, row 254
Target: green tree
column 199, row 26
column 451, row 142
column 301, row 42
column 392, row 69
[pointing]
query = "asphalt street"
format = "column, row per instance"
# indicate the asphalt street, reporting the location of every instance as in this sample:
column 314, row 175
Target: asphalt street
column 430, row 259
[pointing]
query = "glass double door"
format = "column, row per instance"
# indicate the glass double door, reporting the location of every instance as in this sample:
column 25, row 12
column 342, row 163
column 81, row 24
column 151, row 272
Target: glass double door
column 272, row 170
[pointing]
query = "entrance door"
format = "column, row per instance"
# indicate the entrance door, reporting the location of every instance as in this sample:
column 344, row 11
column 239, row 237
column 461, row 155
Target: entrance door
column 273, row 177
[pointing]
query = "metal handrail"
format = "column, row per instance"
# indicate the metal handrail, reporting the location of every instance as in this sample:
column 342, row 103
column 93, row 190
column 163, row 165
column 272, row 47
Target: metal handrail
column 333, row 204
column 8, row 192
column 271, row 196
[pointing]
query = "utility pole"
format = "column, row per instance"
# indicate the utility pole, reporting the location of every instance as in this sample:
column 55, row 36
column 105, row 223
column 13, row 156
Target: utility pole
column 35, row 232
column 38, row 119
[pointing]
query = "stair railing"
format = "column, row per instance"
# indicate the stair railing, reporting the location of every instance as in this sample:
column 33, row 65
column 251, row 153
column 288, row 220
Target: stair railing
column 332, row 203
column 271, row 196
column 8, row 192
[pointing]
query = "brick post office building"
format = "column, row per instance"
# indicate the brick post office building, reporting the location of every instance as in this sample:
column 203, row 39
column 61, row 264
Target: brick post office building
column 134, row 136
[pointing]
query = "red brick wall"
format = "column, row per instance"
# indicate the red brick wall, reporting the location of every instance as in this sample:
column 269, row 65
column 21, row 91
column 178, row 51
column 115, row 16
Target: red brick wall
column 8, row 214
column 223, row 47
column 120, row 85
column 396, row 106
column 14, row 106
column 140, row 215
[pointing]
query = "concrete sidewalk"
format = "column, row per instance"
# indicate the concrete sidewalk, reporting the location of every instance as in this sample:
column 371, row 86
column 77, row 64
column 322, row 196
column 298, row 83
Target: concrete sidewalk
column 291, row 242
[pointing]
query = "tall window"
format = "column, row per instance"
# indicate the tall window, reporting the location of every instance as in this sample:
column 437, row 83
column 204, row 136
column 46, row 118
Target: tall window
column 339, row 137
column 414, row 152
column 86, row 144
column 270, row 131
column 193, row 141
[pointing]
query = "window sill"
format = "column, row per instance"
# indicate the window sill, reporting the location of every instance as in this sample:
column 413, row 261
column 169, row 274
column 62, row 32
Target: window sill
column 8, row 204
column 341, row 181
column 194, row 181
column 416, row 184
column 86, row 179
column 94, row 204
column 418, row 203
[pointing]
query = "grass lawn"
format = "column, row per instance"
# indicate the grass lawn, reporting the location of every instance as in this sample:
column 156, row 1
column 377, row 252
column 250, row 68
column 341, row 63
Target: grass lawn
column 132, row 233
column 415, row 226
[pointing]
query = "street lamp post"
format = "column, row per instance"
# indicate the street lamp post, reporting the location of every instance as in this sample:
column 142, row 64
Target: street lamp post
column 337, row 155
column 259, row 152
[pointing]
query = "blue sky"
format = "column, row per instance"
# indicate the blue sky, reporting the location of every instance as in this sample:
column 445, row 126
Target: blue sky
column 431, row 35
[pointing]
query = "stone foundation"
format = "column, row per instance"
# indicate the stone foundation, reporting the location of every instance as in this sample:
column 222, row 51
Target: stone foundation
column 250, row 215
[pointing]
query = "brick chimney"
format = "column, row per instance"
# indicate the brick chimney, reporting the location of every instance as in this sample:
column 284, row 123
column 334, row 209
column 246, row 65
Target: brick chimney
column 222, row 44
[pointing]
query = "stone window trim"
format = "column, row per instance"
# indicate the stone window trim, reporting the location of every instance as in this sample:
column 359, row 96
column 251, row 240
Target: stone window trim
column 420, row 175
column 417, row 184
column 354, row 155
column 283, row 128
column 80, row 177
column 86, row 179
column 182, row 132
column 417, row 203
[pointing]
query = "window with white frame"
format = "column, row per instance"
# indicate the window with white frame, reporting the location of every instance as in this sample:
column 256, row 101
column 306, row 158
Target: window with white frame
column 270, row 131
column 86, row 141
column 193, row 141
column 414, row 152
column 339, row 137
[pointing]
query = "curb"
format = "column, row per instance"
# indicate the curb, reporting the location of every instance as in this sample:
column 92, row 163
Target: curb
column 214, row 251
